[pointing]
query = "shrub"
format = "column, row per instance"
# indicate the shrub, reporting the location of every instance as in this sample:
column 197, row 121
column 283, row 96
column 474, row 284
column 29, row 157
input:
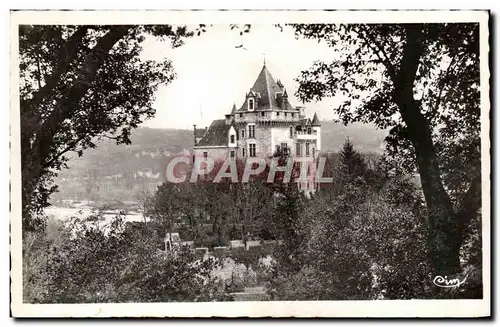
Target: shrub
column 114, row 264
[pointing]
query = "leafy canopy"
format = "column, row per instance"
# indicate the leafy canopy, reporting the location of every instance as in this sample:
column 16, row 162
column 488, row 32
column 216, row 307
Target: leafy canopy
column 77, row 85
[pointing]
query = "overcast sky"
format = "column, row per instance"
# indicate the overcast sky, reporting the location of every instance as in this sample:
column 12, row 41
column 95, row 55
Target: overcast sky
column 212, row 73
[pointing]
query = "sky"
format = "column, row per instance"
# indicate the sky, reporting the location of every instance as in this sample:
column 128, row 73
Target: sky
column 213, row 72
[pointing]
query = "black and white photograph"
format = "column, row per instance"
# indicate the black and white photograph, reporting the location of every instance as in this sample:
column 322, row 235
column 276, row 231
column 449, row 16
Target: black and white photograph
column 250, row 164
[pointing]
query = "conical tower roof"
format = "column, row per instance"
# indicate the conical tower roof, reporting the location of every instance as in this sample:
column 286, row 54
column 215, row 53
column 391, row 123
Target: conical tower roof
column 265, row 87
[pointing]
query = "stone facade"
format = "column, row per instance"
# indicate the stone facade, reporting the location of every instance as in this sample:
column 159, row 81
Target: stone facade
column 216, row 153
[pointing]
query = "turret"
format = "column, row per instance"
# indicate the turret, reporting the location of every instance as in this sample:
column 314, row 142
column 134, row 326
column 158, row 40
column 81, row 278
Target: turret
column 315, row 121
column 316, row 125
column 284, row 104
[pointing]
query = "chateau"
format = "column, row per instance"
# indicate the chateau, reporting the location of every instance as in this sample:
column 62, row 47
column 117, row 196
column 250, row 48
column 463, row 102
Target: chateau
column 265, row 122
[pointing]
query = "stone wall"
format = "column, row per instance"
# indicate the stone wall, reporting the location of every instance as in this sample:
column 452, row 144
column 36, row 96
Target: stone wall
column 263, row 138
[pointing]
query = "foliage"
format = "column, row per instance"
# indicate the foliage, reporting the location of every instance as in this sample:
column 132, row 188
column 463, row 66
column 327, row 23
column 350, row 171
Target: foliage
column 249, row 258
column 234, row 209
column 357, row 247
column 352, row 164
column 367, row 242
column 422, row 82
column 117, row 263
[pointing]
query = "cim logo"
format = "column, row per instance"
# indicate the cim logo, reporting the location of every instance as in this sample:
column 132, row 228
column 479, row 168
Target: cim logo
column 441, row 281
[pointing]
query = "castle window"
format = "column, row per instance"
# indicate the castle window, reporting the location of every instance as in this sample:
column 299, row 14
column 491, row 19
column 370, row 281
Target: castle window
column 232, row 154
column 205, row 154
column 232, row 138
column 251, row 104
column 263, row 114
column 242, row 133
column 297, row 149
column 307, row 149
column 285, row 114
column 251, row 131
column 291, row 132
column 293, row 115
column 284, row 147
column 241, row 115
column 314, row 151
column 309, row 130
column 252, row 149
column 277, row 114
column 243, row 152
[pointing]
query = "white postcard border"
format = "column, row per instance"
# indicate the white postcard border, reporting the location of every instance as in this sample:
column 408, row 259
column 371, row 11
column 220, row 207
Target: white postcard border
column 383, row 308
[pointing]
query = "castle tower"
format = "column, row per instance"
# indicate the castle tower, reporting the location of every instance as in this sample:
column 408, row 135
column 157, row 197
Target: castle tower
column 265, row 122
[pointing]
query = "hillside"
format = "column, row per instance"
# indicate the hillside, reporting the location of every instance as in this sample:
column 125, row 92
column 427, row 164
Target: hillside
column 366, row 138
column 120, row 172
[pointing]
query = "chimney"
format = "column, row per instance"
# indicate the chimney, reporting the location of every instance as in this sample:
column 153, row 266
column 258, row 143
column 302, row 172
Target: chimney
column 301, row 111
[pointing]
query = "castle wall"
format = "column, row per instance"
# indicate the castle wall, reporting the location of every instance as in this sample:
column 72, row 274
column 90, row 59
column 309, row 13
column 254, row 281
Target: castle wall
column 313, row 147
column 263, row 138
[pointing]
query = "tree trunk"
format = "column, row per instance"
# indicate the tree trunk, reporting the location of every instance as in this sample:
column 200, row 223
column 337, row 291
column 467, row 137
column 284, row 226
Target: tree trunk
column 444, row 235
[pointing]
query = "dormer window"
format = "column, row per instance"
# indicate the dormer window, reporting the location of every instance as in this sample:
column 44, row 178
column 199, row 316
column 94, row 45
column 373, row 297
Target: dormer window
column 232, row 138
column 251, row 104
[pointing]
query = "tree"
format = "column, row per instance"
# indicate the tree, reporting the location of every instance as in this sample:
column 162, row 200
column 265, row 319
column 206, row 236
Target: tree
column 79, row 84
column 144, row 201
column 394, row 77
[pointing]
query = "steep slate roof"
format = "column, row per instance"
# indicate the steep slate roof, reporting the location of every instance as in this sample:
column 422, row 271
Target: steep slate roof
column 266, row 87
column 315, row 121
column 217, row 134
column 305, row 122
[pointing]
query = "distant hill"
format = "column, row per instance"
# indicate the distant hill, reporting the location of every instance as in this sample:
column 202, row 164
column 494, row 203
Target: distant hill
column 120, row 172
column 366, row 137
column 149, row 147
